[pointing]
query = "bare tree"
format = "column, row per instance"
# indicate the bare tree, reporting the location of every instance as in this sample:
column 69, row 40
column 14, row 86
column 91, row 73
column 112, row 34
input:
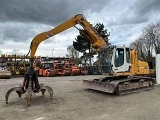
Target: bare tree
column 73, row 54
column 152, row 34
column 138, row 45
column 156, row 37
column 143, row 48
column 148, row 42
column 147, row 46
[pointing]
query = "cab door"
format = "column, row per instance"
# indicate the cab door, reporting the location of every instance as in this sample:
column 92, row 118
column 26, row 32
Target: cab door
column 121, row 59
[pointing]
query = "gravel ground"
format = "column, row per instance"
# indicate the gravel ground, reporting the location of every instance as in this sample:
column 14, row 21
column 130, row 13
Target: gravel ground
column 72, row 102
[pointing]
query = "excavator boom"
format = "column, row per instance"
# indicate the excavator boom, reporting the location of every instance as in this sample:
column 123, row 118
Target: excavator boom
column 30, row 83
column 95, row 39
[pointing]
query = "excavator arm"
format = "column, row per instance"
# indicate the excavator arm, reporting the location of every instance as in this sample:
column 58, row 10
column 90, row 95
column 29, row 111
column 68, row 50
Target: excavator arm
column 30, row 82
column 95, row 39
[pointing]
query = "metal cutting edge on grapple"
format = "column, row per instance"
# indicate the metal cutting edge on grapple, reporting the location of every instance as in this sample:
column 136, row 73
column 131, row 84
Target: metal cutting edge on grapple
column 19, row 90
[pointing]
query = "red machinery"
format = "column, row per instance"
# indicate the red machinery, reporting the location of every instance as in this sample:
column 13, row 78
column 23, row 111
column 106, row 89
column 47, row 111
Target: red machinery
column 47, row 69
column 74, row 70
column 58, row 66
column 67, row 68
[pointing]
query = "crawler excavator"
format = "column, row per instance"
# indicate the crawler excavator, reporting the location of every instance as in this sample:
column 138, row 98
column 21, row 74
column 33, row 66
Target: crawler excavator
column 118, row 77
column 124, row 72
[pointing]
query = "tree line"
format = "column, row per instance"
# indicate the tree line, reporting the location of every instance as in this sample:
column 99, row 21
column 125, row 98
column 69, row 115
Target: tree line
column 148, row 43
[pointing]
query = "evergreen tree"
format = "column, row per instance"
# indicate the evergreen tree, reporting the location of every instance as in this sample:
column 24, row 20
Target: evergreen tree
column 82, row 43
column 103, row 32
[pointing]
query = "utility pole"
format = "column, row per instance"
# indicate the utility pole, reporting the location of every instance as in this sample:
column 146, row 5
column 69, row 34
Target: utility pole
column 52, row 53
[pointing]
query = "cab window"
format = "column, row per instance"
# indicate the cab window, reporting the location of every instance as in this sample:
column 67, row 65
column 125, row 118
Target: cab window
column 119, row 57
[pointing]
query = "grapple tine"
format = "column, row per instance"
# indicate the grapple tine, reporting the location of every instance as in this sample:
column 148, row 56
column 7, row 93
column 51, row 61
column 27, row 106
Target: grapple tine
column 16, row 89
column 28, row 96
column 49, row 89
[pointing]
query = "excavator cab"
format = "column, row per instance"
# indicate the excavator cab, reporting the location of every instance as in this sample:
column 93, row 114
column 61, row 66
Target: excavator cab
column 121, row 59
column 114, row 59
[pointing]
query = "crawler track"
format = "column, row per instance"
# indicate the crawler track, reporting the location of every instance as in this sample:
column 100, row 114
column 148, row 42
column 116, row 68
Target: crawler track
column 120, row 85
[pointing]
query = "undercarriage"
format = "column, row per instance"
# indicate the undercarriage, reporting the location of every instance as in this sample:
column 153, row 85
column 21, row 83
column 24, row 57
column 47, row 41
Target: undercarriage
column 120, row 85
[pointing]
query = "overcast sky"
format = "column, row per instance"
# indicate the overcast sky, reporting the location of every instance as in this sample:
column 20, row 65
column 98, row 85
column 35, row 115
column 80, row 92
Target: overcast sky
column 22, row 20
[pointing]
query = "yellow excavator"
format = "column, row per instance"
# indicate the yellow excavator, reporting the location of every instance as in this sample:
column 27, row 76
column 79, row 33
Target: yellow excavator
column 117, row 79
column 124, row 72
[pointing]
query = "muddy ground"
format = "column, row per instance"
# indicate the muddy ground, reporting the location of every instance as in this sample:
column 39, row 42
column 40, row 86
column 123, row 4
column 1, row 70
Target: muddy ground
column 72, row 102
